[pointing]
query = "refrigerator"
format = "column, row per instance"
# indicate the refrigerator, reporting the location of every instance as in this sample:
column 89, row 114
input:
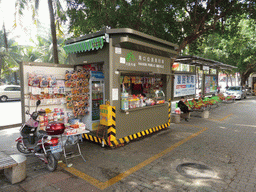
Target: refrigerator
column 97, row 98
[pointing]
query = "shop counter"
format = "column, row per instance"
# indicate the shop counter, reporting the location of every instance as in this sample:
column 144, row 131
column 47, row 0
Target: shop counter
column 143, row 108
column 141, row 119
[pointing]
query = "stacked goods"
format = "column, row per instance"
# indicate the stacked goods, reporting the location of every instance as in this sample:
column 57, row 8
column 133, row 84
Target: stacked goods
column 141, row 91
column 77, row 99
column 46, row 88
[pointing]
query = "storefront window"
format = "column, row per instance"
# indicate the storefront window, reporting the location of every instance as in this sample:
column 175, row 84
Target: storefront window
column 181, row 67
column 192, row 68
column 184, row 85
column 199, row 76
column 140, row 91
column 213, row 71
column 210, row 84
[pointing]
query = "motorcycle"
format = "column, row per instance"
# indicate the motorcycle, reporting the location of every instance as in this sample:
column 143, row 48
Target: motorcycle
column 44, row 144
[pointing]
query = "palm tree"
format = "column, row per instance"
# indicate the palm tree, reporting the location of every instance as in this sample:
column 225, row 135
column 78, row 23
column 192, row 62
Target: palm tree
column 56, row 13
column 9, row 55
column 53, row 31
column 43, row 49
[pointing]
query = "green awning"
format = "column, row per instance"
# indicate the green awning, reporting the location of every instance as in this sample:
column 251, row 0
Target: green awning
column 86, row 45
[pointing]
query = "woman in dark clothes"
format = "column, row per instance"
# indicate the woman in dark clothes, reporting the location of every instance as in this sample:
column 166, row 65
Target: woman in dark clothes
column 183, row 108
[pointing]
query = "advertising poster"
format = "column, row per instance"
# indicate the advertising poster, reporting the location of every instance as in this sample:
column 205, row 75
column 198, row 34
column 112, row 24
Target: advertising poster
column 210, row 84
column 184, row 85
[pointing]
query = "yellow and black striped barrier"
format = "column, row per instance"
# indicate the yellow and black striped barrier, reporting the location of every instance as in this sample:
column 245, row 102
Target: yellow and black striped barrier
column 112, row 128
column 169, row 112
column 109, row 121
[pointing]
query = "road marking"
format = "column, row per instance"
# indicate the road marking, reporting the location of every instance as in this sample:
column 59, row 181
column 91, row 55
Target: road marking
column 222, row 119
column 104, row 185
column 245, row 125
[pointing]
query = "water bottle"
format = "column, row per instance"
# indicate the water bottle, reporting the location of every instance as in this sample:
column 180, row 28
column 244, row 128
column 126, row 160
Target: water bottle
column 124, row 101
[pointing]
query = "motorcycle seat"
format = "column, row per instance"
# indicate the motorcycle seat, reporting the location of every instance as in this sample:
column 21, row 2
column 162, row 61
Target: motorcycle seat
column 42, row 132
column 28, row 129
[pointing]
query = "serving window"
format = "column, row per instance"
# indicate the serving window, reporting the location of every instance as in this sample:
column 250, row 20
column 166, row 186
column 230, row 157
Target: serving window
column 138, row 90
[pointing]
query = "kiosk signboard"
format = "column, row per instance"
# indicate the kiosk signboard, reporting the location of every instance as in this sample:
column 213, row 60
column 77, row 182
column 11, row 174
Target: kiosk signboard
column 139, row 61
column 184, row 85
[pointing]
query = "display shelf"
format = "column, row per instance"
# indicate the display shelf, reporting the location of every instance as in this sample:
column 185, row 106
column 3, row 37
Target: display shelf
column 46, row 104
column 97, row 99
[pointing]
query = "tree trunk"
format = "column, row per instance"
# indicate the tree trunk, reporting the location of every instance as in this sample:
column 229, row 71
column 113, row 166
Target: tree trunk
column 244, row 78
column 15, row 77
column 198, row 78
column 1, row 64
column 5, row 39
column 6, row 49
column 245, row 75
column 53, row 31
column 226, row 80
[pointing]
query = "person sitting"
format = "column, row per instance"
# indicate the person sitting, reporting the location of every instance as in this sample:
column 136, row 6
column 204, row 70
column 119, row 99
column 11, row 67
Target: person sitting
column 184, row 108
column 200, row 95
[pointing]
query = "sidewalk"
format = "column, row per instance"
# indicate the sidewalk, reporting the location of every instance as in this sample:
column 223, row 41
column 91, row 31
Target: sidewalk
column 215, row 154
column 10, row 113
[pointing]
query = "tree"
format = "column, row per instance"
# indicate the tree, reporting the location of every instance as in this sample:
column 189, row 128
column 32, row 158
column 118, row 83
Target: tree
column 41, row 51
column 56, row 16
column 88, row 16
column 178, row 21
column 234, row 46
column 9, row 55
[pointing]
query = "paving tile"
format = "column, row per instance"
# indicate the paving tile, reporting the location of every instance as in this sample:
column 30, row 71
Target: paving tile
column 49, row 188
column 230, row 151
column 12, row 188
column 44, row 181
column 34, row 185
column 87, row 188
column 56, row 176
column 69, row 183
column 250, row 187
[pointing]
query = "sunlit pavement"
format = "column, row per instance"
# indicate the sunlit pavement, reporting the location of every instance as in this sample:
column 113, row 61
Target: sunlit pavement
column 10, row 113
column 215, row 154
column 7, row 140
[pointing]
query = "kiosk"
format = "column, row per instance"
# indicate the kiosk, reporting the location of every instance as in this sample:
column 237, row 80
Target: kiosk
column 137, row 81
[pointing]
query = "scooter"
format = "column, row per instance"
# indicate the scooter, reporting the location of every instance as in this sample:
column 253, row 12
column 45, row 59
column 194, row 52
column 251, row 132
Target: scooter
column 46, row 147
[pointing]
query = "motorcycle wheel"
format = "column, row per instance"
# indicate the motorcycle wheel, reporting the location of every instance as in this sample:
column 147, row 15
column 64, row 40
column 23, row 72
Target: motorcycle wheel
column 52, row 162
column 57, row 156
column 21, row 148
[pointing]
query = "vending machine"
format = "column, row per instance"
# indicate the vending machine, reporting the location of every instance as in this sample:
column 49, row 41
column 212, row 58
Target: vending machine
column 97, row 98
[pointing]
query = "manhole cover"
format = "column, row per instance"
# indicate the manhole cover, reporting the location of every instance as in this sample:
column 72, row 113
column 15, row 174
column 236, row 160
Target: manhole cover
column 195, row 171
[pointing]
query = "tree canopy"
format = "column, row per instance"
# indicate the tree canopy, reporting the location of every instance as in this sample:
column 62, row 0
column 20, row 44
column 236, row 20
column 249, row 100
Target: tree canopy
column 234, row 46
column 177, row 21
column 216, row 23
column 57, row 15
column 9, row 54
